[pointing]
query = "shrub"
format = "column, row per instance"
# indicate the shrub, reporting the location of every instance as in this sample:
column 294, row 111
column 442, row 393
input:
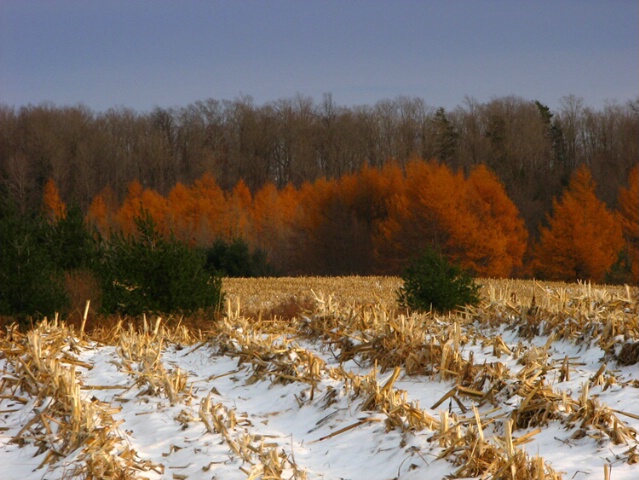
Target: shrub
column 149, row 273
column 431, row 282
column 234, row 259
column 81, row 285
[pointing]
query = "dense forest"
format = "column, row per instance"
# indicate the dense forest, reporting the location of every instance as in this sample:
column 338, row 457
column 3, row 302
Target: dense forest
column 506, row 188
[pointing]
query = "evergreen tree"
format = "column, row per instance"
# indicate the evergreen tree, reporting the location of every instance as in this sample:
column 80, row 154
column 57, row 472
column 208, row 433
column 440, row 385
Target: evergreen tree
column 431, row 282
column 30, row 282
column 555, row 135
column 71, row 244
column 234, row 259
column 446, row 137
column 147, row 272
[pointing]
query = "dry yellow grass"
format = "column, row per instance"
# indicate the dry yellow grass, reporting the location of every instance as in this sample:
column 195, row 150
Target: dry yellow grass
column 263, row 294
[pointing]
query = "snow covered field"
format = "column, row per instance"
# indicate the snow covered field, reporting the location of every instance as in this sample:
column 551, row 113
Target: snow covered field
column 504, row 392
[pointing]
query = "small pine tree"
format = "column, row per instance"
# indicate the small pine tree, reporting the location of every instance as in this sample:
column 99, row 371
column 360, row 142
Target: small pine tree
column 149, row 273
column 30, row 283
column 235, row 259
column 431, row 282
column 70, row 242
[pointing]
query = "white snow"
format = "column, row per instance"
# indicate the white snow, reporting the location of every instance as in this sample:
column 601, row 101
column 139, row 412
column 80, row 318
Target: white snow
column 307, row 432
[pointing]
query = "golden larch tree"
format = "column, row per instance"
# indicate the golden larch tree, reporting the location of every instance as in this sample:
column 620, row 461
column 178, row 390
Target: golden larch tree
column 184, row 213
column 500, row 223
column 53, row 208
column 309, row 242
column 212, row 206
column 131, row 208
column 583, row 238
column 267, row 217
column 417, row 211
column 237, row 222
column 628, row 215
column 102, row 211
column 470, row 220
column 196, row 213
column 310, row 214
column 289, row 199
column 289, row 202
column 157, row 207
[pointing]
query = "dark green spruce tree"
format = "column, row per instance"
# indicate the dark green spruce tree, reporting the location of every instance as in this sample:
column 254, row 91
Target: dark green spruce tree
column 147, row 272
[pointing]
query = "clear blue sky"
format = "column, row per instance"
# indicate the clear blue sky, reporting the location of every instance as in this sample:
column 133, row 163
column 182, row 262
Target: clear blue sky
column 167, row 53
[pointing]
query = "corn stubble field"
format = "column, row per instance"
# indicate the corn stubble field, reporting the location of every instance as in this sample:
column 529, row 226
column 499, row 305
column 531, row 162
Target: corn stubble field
column 308, row 378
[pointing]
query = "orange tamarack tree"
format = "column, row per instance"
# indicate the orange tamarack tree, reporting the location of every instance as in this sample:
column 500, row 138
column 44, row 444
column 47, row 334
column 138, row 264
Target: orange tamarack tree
column 53, row 208
column 628, row 205
column 583, row 238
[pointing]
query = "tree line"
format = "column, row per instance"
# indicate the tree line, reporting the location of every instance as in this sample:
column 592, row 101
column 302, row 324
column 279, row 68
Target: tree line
column 326, row 189
column 532, row 150
column 376, row 220
column 165, row 253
